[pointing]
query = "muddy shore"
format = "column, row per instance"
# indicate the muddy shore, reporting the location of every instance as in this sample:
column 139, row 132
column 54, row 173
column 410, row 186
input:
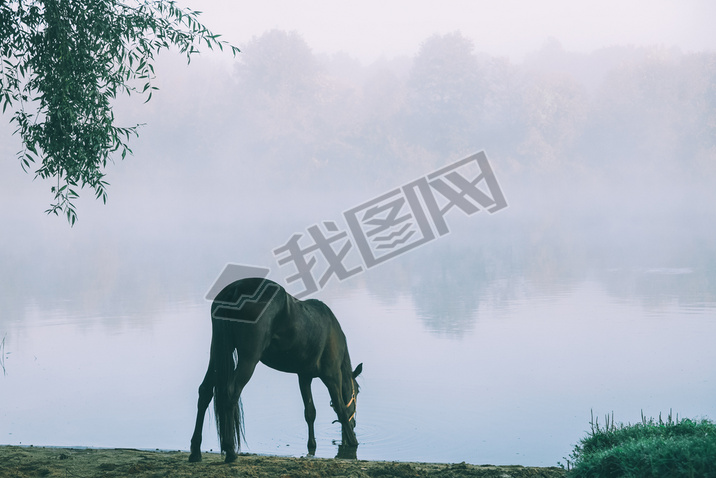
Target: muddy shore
column 21, row 462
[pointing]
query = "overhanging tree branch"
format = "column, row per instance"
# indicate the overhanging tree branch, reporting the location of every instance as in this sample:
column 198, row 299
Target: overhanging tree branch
column 61, row 64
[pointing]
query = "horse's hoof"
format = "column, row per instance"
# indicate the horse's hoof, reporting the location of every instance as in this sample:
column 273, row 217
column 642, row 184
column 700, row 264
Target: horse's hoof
column 195, row 457
column 230, row 457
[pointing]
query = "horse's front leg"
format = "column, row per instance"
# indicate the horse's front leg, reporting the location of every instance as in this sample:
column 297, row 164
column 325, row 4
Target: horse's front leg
column 339, row 405
column 304, row 382
column 206, row 391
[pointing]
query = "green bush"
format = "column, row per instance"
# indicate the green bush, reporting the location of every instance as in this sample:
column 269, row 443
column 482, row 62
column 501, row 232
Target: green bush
column 671, row 448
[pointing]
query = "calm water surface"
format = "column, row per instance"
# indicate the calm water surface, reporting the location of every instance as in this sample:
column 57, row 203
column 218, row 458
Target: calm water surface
column 470, row 353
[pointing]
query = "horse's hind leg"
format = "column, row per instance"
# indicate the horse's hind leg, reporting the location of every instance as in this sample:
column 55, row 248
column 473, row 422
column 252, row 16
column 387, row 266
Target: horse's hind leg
column 304, row 382
column 206, row 391
column 230, row 434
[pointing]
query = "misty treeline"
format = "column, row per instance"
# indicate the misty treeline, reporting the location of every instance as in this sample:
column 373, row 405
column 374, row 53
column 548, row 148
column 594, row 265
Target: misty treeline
column 621, row 116
column 235, row 158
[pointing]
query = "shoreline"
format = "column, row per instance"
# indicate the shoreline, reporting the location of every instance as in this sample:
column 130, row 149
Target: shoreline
column 32, row 461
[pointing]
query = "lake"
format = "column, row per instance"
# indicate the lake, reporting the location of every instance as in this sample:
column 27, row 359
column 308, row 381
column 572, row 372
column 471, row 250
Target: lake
column 492, row 344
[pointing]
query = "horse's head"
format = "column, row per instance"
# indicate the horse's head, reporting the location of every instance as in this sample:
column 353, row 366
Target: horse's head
column 353, row 399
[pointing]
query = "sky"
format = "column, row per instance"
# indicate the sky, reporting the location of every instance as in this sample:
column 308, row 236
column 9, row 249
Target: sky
column 371, row 29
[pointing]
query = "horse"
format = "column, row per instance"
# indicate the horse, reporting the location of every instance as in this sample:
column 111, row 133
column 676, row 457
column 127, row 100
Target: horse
column 256, row 320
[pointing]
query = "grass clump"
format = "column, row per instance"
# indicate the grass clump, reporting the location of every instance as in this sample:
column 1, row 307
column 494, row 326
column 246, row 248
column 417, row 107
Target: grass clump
column 652, row 448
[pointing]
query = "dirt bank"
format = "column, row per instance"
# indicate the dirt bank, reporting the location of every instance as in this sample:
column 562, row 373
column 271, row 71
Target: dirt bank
column 20, row 462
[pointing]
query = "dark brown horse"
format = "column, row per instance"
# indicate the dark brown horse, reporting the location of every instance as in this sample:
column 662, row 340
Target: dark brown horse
column 257, row 320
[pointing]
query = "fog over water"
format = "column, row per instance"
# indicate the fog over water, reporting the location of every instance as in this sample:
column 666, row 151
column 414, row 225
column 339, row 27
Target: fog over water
column 595, row 288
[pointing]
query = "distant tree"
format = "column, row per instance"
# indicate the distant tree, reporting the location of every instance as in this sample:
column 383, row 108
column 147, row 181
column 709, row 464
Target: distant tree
column 555, row 110
column 446, row 92
column 278, row 96
column 660, row 106
column 61, row 64
column 278, row 62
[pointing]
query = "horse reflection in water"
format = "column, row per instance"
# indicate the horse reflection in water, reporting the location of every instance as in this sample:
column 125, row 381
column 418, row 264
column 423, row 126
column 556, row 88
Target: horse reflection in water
column 257, row 320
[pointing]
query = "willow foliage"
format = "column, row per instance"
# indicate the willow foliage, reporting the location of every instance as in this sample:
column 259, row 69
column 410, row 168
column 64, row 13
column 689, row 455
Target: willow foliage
column 61, row 64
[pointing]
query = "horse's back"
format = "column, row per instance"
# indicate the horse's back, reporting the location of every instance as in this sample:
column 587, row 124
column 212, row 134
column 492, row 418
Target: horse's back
column 318, row 309
column 248, row 300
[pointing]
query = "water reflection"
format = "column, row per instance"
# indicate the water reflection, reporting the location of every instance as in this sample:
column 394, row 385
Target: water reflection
column 449, row 280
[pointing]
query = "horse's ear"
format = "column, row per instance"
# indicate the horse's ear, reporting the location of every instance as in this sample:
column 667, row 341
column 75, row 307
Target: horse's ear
column 358, row 370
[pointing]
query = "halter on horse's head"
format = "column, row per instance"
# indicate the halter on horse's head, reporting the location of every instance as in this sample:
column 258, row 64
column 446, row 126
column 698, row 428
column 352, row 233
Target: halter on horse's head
column 352, row 402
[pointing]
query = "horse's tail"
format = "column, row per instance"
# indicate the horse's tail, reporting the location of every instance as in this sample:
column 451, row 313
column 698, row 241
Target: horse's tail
column 227, row 411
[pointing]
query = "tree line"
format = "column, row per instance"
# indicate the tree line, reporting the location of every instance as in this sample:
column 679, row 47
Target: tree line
column 284, row 111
